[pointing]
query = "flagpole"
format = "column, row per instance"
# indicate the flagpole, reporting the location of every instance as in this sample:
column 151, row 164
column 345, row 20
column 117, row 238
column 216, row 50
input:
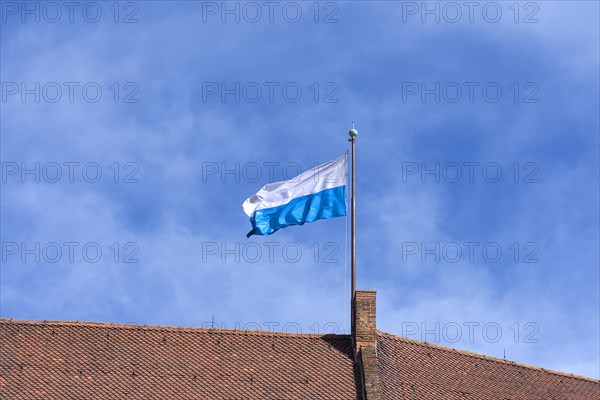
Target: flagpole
column 353, row 134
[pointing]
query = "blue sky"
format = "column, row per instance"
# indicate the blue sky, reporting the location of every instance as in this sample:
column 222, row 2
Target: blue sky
column 477, row 158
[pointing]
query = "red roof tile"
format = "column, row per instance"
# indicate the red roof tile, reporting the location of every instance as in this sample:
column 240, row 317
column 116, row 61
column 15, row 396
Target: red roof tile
column 415, row 370
column 65, row 360
column 87, row 361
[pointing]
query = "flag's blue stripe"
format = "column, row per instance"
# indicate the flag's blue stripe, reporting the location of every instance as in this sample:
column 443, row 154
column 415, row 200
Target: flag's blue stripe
column 328, row 203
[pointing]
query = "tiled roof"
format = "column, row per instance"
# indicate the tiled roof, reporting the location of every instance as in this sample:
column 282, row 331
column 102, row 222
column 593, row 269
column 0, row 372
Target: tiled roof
column 85, row 361
column 88, row 361
column 416, row 370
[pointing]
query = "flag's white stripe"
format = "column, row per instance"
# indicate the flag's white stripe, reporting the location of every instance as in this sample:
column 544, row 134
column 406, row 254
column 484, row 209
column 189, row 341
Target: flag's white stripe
column 325, row 176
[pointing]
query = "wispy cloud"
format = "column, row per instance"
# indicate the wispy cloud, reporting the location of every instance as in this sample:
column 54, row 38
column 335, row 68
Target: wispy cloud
column 160, row 124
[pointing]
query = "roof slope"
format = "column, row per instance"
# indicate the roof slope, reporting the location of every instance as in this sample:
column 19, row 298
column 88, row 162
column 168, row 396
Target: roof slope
column 415, row 370
column 77, row 361
column 66, row 360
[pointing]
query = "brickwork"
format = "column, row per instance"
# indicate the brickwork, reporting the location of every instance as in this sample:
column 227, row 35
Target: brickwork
column 365, row 323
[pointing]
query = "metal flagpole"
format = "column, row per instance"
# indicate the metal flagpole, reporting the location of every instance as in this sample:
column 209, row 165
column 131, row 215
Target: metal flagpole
column 353, row 134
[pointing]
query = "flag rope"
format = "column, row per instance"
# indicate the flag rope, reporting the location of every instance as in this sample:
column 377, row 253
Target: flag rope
column 346, row 234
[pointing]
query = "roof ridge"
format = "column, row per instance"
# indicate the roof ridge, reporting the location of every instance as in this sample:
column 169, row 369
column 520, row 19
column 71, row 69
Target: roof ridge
column 161, row 328
column 488, row 358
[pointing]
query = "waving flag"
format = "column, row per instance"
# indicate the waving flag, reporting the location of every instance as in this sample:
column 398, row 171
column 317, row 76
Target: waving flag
column 318, row 193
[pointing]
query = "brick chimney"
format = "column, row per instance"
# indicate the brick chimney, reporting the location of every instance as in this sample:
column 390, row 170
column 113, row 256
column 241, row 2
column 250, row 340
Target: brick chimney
column 365, row 342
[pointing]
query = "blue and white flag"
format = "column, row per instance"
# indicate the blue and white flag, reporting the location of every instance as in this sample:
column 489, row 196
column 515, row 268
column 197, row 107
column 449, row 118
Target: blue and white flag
column 318, row 193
